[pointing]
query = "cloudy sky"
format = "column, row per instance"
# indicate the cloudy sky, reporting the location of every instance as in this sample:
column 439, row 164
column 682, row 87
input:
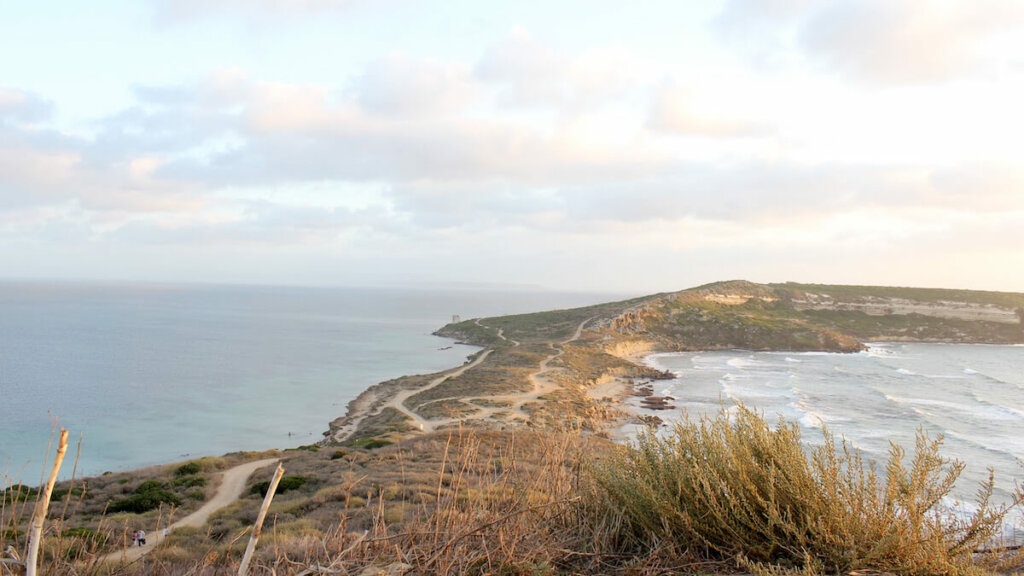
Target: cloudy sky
column 613, row 146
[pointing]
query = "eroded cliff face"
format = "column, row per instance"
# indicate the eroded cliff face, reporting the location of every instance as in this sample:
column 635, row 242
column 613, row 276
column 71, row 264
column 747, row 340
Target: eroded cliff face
column 632, row 321
column 633, row 349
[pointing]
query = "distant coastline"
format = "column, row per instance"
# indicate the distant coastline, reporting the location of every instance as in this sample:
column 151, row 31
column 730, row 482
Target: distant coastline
column 613, row 340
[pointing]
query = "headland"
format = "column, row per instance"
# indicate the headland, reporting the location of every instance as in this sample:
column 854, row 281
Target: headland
column 495, row 466
column 568, row 369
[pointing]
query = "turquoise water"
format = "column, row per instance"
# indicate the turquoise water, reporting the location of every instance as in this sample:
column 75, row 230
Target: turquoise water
column 153, row 374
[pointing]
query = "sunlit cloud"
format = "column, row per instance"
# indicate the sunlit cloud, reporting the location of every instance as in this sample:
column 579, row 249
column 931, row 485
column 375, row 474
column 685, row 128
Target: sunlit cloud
column 857, row 128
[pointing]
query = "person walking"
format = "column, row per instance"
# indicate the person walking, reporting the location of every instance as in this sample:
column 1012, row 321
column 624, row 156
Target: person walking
column 142, row 537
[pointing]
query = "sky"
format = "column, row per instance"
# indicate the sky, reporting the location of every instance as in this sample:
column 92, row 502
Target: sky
column 598, row 146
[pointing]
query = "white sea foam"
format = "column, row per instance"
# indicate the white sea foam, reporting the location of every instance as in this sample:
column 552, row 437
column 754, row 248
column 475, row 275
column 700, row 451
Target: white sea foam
column 741, row 362
column 982, row 410
column 1012, row 447
column 811, row 420
column 1012, row 530
column 794, row 360
column 882, row 351
column 756, row 392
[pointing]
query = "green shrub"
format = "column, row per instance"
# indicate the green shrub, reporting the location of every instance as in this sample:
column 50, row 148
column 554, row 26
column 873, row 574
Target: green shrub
column 188, row 469
column 87, row 534
column 60, row 493
column 287, row 483
column 733, row 488
column 190, row 481
column 149, row 486
column 371, row 443
column 338, row 454
column 305, row 447
column 82, row 540
column 19, row 493
column 148, row 496
column 140, row 503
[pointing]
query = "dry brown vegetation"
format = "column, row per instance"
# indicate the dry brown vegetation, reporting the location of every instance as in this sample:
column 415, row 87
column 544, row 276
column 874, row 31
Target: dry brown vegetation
column 716, row 496
column 734, row 488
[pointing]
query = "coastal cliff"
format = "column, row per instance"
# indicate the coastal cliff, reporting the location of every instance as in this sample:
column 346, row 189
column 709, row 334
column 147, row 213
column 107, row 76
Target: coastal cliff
column 542, row 368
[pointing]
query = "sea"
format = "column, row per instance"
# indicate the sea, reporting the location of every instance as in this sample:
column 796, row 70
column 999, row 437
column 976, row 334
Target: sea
column 150, row 374
column 971, row 395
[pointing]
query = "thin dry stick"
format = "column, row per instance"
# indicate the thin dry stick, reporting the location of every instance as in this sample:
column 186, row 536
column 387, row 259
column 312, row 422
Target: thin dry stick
column 71, row 487
column 39, row 515
column 243, row 568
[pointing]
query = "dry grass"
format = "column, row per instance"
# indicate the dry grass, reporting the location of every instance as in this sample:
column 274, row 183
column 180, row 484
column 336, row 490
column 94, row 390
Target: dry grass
column 732, row 488
column 718, row 496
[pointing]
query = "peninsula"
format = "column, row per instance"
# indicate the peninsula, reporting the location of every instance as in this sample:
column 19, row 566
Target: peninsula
column 502, row 465
column 563, row 369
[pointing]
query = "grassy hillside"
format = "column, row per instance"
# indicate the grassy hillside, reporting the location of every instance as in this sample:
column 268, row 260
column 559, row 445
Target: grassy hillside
column 790, row 316
column 739, row 314
column 1001, row 299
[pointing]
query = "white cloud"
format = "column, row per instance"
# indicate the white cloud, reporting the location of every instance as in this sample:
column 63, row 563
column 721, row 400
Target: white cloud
column 880, row 41
column 401, row 85
column 676, row 109
column 267, row 10
column 20, row 106
column 908, row 41
column 530, row 73
column 530, row 158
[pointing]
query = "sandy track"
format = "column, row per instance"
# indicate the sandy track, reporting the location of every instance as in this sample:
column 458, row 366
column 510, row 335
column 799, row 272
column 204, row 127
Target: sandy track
column 398, row 400
column 541, row 386
column 231, row 486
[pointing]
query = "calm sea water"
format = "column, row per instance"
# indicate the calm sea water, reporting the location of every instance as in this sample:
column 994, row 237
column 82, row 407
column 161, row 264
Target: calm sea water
column 152, row 374
column 971, row 394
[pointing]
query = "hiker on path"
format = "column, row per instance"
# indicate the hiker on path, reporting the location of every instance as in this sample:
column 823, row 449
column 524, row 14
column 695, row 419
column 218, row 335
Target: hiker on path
column 142, row 537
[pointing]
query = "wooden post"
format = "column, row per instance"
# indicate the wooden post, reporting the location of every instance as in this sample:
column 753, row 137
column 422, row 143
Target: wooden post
column 35, row 533
column 243, row 568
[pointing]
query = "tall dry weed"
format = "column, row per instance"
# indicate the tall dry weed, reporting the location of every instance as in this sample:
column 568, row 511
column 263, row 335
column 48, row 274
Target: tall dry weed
column 733, row 487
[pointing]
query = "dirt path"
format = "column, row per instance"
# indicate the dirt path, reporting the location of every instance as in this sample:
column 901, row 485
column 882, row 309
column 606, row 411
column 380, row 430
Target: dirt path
column 398, row 400
column 541, row 386
column 363, row 408
column 231, row 486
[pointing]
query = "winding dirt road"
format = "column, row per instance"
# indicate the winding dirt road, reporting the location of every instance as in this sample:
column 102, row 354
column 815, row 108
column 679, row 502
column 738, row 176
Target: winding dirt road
column 398, row 400
column 541, row 386
column 232, row 484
